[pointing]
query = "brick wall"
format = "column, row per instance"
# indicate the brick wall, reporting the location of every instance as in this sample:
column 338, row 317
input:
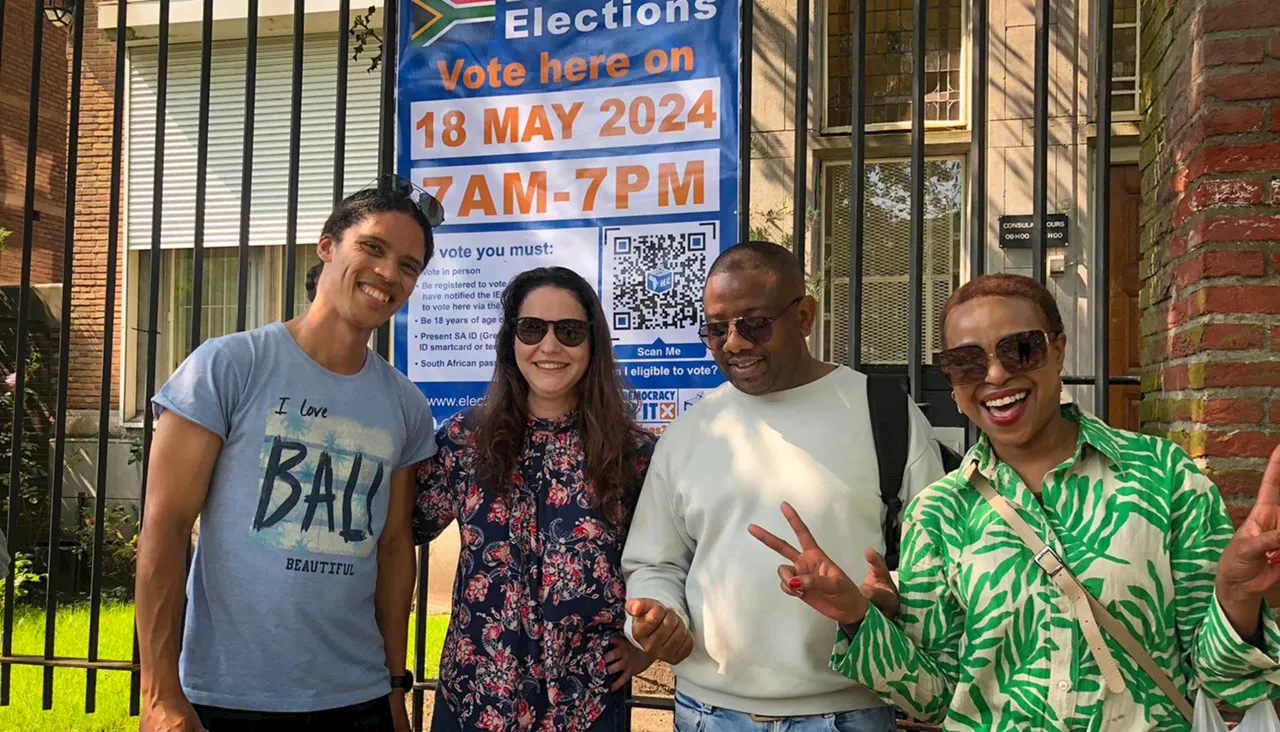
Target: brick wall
column 1211, row 234
column 50, row 180
column 93, row 208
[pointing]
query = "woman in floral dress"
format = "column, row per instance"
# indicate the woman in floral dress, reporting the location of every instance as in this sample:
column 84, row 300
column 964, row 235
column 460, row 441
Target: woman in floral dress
column 542, row 479
column 980, row 636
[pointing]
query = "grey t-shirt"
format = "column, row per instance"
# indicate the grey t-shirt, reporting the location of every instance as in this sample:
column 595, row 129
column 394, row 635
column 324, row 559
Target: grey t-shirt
column 280, row 610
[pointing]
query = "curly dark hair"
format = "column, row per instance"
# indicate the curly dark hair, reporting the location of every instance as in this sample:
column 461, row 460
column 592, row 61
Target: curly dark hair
column 605, row 414
column 1005, row 285
column 361, row 205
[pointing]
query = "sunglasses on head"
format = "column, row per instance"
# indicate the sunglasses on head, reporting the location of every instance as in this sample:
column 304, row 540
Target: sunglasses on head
column 753, row 328
column 569, row 332
column 426, row 203
column 1019, row 353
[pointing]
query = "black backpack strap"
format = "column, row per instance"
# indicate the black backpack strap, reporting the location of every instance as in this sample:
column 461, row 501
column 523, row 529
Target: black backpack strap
column 951, row 460
column 891, row 430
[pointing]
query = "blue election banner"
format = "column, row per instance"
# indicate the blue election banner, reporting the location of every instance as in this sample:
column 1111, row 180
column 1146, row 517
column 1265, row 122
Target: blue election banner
column 598, row 135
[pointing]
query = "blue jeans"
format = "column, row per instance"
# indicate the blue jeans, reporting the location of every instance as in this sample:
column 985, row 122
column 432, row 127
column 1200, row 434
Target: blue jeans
column 694, row 716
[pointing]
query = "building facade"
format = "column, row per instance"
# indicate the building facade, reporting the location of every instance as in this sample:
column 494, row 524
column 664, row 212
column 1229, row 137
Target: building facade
column 51, row 139
column 1194, row 257
column 1193, row 297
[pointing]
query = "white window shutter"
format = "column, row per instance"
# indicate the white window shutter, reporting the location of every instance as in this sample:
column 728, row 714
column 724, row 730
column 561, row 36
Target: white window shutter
column 267, row 226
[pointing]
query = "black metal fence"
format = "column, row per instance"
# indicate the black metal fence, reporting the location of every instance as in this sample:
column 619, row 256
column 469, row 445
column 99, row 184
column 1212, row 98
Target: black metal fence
column 92, row 663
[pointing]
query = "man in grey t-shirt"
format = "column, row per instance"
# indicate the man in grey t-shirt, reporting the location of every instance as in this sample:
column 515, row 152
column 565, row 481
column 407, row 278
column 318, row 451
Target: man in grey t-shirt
column 295, row 446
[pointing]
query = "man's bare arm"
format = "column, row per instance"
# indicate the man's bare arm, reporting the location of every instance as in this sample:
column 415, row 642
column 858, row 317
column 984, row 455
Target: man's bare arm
column 181, row 464
column 397, row 570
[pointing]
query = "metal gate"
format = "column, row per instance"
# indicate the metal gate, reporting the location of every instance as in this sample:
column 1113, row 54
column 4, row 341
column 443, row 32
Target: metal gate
column 25, row 329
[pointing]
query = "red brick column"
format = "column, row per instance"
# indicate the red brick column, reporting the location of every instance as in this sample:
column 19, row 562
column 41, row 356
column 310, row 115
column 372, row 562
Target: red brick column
column 93, row 206
column 1211, row 234
column 51, row 141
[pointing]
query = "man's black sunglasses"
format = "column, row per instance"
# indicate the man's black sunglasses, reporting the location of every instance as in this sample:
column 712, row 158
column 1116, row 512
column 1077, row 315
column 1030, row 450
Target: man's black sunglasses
column 754, row 329
column 397, row 186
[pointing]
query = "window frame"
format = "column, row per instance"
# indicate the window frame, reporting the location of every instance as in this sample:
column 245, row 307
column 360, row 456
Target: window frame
column 1134, row 85
column 822, row 346
column 266, row 293
column 966, row 92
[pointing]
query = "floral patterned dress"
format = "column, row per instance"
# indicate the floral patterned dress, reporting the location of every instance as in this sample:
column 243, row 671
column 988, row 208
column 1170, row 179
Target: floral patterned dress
column 539, row 592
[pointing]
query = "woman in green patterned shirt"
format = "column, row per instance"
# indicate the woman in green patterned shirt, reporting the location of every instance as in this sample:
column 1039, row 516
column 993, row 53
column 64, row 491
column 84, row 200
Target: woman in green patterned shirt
column 979, row 635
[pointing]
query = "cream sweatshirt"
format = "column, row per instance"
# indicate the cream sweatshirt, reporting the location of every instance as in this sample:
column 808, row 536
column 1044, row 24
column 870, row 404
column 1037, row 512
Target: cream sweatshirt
column 730, row 461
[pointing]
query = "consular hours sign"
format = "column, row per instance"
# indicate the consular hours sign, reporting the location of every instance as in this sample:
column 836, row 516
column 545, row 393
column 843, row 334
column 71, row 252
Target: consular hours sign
column 598, row 135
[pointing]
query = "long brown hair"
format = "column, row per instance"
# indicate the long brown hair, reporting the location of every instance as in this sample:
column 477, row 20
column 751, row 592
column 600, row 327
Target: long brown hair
column 605, row 416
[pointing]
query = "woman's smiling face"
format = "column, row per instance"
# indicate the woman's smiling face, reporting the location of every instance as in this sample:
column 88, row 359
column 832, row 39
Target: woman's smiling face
column 1011, row 409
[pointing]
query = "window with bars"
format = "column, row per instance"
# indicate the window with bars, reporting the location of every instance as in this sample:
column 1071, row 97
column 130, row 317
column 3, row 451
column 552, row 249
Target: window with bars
column 1126, row 46
column 219, row 301
column 886, row 248
column 268, row 216
column 889, row 40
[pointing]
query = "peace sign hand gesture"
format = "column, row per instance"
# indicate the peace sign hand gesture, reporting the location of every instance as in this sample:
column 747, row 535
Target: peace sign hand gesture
column 812, row 576
column 1250, row 565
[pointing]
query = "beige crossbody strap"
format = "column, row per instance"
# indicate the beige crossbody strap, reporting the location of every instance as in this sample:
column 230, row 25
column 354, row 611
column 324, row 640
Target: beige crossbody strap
column 1090, row 613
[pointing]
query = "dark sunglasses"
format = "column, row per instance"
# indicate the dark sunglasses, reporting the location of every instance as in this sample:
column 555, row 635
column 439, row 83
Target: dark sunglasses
column 569, row 332
column 753, row 328
column 426, row 203
column 1019, row 353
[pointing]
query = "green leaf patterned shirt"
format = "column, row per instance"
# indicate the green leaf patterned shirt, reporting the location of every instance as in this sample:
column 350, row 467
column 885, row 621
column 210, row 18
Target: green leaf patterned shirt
column 985, row 640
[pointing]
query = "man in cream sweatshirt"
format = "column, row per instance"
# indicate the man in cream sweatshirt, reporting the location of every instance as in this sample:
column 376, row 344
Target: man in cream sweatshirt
column 702, row 593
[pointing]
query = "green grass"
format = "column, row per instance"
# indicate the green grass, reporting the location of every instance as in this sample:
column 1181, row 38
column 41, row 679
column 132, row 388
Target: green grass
column 115, row 643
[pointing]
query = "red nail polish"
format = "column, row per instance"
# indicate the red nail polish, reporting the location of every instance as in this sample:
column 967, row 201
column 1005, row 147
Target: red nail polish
column 795, row 583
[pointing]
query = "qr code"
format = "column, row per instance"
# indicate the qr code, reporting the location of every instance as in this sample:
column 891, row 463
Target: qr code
column 656, row 276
